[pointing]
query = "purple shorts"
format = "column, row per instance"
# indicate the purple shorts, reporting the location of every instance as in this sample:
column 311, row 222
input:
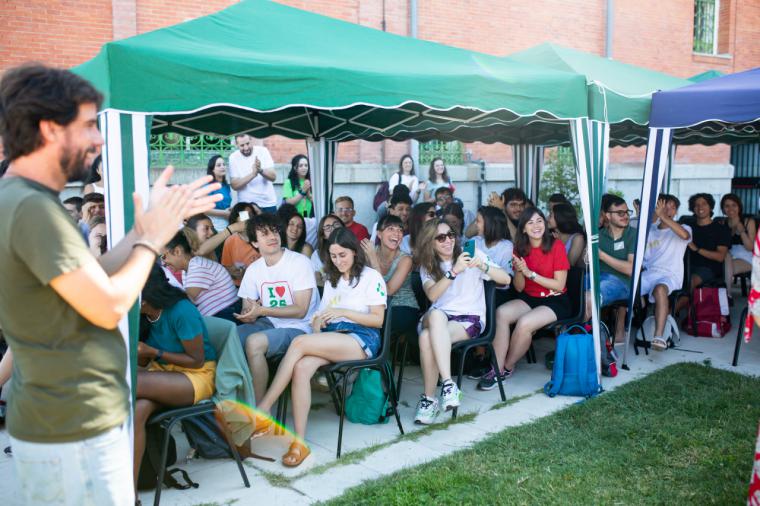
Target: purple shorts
column 471, row 321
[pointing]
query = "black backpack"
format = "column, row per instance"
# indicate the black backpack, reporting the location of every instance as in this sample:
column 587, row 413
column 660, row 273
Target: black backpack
column 148, row 476
column 205, row 437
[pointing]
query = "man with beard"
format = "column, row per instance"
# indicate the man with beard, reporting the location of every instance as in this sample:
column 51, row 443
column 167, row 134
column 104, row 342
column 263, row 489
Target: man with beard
column 252, row 173
column 512, row 201
column 59, row 306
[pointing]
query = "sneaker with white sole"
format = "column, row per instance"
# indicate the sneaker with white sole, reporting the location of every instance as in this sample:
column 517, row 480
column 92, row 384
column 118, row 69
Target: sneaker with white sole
column 451, row 396
column 489, row 381
column 427, row 410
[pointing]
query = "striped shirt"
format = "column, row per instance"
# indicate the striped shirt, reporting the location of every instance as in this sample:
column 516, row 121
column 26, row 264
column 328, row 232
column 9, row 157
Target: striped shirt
column 218, row 290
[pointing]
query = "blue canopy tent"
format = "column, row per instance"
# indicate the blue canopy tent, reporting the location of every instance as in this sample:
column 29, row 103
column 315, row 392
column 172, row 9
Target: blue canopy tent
column 720, row 110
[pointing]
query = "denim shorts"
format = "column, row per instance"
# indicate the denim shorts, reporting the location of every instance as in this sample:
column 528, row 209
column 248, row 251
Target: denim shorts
column 368, row 338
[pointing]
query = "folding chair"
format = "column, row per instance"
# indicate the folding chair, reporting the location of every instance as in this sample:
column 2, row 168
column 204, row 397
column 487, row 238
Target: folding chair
column 378, row 363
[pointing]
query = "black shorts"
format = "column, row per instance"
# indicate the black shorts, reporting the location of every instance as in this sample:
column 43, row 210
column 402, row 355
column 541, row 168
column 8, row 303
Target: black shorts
column 559, row 304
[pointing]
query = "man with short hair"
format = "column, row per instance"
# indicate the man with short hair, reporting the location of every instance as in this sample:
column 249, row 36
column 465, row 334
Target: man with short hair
column 344, row 208
column 93, row 205
column 400, row 205
column 443, row 197
column 617, row 243
column 73, row 206
column 252, row 174
column 59, row 306
column 663, row 262
column 513, row 202
column 279, row 293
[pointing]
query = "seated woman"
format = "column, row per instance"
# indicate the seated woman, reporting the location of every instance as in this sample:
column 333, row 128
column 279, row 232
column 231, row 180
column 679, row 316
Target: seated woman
column 295, row 235
column 563, row 224
column 207, row 283
column 492, row 239
column 541, row 265
column 743, row 231
column 709, row 244
column 395, row 267
column 453, row 281
column 203, row 230
column 420, row 214
column 344, row 328
column 177, row 361
column 320, row 256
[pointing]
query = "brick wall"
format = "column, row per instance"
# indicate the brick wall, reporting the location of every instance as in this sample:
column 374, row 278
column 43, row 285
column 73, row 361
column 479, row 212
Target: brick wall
column 650, row 33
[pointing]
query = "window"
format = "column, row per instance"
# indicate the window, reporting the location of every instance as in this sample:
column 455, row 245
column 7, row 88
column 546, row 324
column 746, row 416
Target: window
column 711, row 26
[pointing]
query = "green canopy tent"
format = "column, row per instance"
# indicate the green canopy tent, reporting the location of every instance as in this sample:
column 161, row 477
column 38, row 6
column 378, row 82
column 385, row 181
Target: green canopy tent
column 619, row 100
column 265, row 69
column 704, row 76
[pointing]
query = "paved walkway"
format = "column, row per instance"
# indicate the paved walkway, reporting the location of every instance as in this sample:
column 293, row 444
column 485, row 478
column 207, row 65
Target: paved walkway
column 370, row 452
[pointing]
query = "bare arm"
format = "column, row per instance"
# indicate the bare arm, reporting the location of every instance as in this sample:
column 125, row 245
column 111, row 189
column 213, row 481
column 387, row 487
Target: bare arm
column 193, row 358
column 6, row 367
column 373, row 319
column 576, row 249
column 254, row 310
column 472, row 230
column 403, row 268
column 622, row 266
column 719, row 255
column 747, row 234
column 269, row 174
column 213, row 242
column 676, row 227
column 238, row 183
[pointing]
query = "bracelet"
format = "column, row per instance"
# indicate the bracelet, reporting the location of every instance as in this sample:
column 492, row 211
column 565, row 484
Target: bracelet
column 159, row 354
column 147, row 245
column 227, row 228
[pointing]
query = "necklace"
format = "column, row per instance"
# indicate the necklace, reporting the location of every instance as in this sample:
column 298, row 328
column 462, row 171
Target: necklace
column 160, row 312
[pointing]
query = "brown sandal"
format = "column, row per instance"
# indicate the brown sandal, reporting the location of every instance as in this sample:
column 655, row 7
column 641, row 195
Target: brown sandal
column 297, row 453
column 264, row 426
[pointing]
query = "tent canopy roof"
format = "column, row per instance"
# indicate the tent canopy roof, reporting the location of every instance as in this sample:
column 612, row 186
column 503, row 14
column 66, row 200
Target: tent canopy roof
column 724, row 109
column 265, row 68
column 704, row 76
column 617, row 92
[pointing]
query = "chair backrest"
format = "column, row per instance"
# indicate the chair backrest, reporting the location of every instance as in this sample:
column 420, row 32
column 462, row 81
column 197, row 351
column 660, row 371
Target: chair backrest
column 574, row 284
column 385, row 346
column 489, row 288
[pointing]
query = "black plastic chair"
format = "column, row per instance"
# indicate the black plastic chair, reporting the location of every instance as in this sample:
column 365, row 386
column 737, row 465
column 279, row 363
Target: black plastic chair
column 378, row 363
column 167, row 419
column 577, row 294
column 485, row 339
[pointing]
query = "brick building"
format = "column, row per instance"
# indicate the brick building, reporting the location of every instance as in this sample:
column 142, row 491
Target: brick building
column 661, row 35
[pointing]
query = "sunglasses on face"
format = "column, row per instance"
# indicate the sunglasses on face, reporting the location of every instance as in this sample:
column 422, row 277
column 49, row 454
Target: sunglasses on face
column 448, row 235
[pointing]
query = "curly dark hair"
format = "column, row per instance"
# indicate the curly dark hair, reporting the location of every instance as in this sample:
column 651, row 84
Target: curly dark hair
column 522, row 242
column 344, row 238
column 706, row 196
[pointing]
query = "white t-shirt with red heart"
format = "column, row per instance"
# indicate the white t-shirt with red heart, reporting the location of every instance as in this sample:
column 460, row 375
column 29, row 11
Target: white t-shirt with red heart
column 276, row 285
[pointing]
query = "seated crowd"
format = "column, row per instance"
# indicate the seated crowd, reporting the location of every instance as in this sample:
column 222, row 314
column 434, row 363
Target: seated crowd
column 305, row 294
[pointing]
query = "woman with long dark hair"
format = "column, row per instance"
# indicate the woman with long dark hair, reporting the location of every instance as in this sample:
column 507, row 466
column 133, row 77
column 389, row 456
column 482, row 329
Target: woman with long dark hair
column 438, row 177
column 453, row 282
column 296, row 189
column 743, row 231
column 217, row 168
column 319, row 258
column 421, row 213
column 94, row 181
column 563, row 224
column 540, row 265
column 178, row 363
column 407, row 177
column 295, row 235
column 346, row 327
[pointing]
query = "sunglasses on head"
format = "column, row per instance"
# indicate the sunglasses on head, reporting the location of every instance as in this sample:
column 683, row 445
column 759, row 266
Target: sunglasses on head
column 448, row 235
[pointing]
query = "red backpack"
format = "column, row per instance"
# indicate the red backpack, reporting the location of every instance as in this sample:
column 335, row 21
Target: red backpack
column 709, row 313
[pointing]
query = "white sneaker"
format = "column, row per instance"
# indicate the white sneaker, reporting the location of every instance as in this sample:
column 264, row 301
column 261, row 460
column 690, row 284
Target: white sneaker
column 451, row 396
column 427, row 410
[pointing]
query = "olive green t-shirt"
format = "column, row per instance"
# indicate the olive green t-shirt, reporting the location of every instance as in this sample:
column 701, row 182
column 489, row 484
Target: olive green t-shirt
column 619, row 249
column 69, row 376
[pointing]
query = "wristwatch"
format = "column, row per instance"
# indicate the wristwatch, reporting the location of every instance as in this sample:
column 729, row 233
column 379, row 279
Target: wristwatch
column 159, row 354
column 450, row 275
column 533, row 275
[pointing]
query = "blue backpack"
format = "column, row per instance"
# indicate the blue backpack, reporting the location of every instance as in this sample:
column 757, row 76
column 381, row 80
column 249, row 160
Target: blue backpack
column 574, row 371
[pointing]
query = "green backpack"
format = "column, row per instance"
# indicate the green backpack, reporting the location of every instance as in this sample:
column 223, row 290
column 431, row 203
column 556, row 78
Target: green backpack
column 368, row 402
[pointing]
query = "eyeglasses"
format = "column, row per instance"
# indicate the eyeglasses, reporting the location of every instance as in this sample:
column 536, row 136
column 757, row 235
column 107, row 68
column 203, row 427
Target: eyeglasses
column 622, row 214
column 449, row 235
column 331, row 227
column 344, row 209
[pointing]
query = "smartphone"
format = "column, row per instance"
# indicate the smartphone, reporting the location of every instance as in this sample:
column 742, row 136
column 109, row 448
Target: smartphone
column 244, row 216
column 469, row 247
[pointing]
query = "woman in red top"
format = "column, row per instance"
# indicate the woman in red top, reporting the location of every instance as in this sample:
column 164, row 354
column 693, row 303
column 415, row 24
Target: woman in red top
column 540, row 264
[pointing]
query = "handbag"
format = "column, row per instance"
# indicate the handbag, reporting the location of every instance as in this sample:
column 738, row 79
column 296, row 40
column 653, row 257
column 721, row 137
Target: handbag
column 574, row 370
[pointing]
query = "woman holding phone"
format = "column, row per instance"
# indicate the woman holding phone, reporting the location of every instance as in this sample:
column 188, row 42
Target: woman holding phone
column 453, row 281
column 346, row 327
column 540, row 265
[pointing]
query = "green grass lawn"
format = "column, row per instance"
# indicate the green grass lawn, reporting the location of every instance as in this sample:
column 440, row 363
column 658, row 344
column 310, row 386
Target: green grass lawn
column 682, row 435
